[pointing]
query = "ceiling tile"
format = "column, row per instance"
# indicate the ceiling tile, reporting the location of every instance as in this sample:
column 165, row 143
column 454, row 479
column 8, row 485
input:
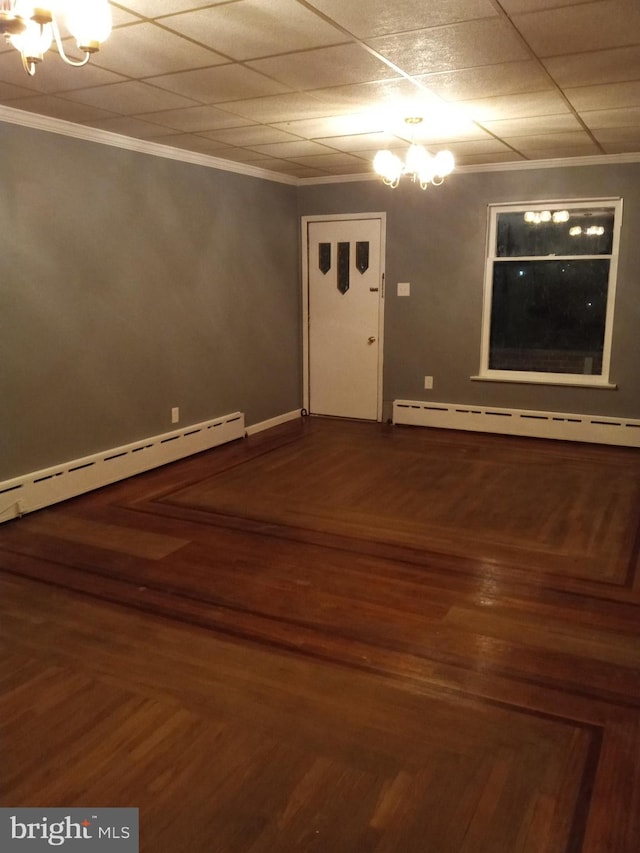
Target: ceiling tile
column 619, row 135
column 562, row 153
column 478, row 146
column 49, row 105
column 597, row 119
column 291, row 150
column 316, row 128
column 527, row 126
column 53, row 75
column 194, row 143
column 366, row 18
column 395, row 98
column 328, row 161
column 509, row 78
column 279, row 108
column 127, row 126
column 255, row 134
column 251, row 29
column 304, row 172
column 8, row 92
column 609, row 96
column 327, row 66
column 543, row 141
column 597, row 67
column 363, row 167
column 575, row 29
column 486, row 159
column 515, row 106
column 283, row 167
column 194, row 119
column 360, row 142
column 243, row 155
column 143, row 50
column 220, row 83
column 432, row 131
column 122, row 16
column 157, row 8
column 512, row 7
column 620, row 147
column 483, row 42
column 438, row 126
column 129, row 98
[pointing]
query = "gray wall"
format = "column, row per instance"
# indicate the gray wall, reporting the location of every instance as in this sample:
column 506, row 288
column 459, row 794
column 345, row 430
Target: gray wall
column 130, row 284
column 436, row 241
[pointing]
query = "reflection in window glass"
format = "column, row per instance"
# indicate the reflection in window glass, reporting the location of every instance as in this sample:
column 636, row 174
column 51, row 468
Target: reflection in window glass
column 577, row 232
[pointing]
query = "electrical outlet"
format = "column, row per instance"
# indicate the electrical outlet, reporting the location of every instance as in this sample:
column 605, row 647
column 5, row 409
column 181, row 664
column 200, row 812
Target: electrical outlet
column 404, row 288
column 175, row 415
column 428, row 383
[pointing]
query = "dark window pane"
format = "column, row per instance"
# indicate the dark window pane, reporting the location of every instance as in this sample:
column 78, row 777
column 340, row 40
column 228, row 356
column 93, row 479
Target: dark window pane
column 585, row 232
column 549, row 316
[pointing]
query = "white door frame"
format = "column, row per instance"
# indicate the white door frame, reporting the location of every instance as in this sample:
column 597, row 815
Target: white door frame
column 305, row 295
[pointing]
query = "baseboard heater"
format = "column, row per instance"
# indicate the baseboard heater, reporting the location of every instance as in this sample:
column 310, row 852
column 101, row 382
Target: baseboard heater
column 42, row 488
column 591, row 428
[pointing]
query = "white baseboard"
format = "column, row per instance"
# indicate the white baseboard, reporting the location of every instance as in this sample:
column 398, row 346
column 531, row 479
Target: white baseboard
column 273, row 422
column 51, row 485
column 591, row 428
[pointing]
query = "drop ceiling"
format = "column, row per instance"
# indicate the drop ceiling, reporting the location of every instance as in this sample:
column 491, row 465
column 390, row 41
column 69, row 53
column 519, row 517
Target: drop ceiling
column 312, row 88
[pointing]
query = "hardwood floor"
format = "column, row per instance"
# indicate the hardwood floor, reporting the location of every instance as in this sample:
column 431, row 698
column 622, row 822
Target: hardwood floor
column 336, row 636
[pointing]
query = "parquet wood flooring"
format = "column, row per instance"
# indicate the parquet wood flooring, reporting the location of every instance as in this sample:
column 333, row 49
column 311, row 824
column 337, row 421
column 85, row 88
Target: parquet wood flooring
column 336, row 636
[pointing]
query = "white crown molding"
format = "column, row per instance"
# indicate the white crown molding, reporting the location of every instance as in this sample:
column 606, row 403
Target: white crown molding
column 142, row 146
column 560, row 163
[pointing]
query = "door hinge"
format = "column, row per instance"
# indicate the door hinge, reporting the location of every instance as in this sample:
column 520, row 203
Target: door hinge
column 383, row 285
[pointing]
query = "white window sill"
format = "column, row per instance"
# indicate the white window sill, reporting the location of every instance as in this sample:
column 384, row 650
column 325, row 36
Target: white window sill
column 586, row 382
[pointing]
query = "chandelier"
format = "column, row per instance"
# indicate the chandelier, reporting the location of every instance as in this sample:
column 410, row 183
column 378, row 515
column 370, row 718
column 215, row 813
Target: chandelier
column 423, row 168
column 31, row 28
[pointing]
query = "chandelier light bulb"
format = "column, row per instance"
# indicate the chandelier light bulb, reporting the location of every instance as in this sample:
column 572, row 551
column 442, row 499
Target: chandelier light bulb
column 89, row 22
column 444, row 163
column 34, row 41
column 21, row 8
column 31, row 27
column 417, row 158
column 421, row 166
column 389, row 167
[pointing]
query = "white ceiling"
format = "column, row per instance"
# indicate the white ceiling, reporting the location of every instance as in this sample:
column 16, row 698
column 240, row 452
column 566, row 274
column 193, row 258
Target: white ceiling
column 310, row 88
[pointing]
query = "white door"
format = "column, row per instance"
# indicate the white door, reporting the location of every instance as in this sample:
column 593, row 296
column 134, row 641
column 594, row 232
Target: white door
column 344, row 302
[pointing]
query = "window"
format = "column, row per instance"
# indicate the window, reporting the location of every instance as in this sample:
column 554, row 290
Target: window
column 549, row 292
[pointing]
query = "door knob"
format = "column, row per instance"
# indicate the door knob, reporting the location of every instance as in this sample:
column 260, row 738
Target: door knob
column 371, row 340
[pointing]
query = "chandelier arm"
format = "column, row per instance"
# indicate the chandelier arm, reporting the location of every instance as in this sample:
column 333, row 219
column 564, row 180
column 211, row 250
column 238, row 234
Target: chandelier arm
column 29, row 66
column 77, row 63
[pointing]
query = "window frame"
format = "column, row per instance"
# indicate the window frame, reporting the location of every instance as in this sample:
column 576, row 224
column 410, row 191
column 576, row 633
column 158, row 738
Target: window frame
column 538, row 377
